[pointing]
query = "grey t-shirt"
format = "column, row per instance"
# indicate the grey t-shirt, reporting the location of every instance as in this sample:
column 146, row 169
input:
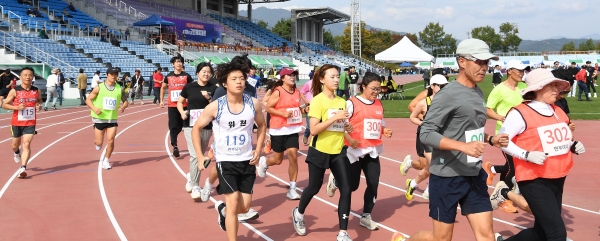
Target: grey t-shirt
column 457, row 112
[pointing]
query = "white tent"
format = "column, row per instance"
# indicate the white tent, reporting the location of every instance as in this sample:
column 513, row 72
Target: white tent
column 402, row 51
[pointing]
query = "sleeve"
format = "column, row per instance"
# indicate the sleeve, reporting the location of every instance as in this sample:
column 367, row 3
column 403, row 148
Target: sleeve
column 493, row 99
column 349, row 108
column 184, row 91
column 513, row 125
column 315, row 110
column 189, row 79
column 166, row 79
column 435, row 119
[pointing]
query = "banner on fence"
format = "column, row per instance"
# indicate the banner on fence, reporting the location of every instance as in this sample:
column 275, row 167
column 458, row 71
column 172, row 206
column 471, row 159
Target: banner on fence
column 196, row 31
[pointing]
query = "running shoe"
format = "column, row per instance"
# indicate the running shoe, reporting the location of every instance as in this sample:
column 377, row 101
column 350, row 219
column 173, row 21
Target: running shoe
column 22, row 172
column 426, row 193
column 496, row 197
column 97, row 147
column 196, row 192
column 267, row 148
column 54, row 107
column 250, row 215
column 508, row 207
column 45, row 108
column 292, row 194
column 262, row 167
column 17, row 157
column 219, row 206
column 487, row 167
column 404, row 167
column 498, row 237
column 367, row 222
column 205, row 195
column 331, row 187
column 343, row 236
column 305, row 140
column 409, row 190
column 188, row 184
column 176, row 152
column 106, row 165
column 515, row 186
column 298, row 222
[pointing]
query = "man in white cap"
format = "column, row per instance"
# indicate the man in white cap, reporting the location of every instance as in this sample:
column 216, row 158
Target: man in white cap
column 454, row 127
column 51, row 89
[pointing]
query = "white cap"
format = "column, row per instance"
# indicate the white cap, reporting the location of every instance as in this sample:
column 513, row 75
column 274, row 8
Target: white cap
column 438, row 79
column 516, row 64
column 476, row 48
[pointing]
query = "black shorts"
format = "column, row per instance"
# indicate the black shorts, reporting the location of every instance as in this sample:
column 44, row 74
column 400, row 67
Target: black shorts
column 255, row 127
column 421, row 148
column 281, row 143
column 235, row 177
column 324, row 160
column 445, row 193
column 102, row 126
column 18, row 131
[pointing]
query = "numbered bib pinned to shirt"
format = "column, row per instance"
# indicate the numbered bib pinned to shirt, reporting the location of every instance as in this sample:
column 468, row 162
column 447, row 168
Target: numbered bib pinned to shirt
column 556, row 139
column 26, row 114
column 475, row 135
column 175, row 95
column 372, row 129
column 338, row 125
column 235, row 143
column 109, row 103
column 296, row 116
column 194, row 115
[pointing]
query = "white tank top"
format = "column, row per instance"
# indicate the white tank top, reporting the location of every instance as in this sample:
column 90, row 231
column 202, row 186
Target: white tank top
column 233, row 132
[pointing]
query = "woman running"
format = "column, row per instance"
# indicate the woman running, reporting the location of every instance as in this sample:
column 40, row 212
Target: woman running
column 198, row 95
column 326, row 151
column 542, row 145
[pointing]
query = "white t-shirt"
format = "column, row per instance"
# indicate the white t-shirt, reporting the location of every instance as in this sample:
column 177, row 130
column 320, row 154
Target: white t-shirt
column 95, row 81
column 52, row 81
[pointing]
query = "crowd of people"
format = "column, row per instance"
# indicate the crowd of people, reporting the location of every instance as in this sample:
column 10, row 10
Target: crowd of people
column 345, row 137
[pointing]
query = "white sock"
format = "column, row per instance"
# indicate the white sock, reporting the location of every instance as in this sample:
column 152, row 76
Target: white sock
column 298, row 214
column 106, row 159
column 207, row 183
column 292, row 185
column 493, row 170
column 413, row 183
column 223, row 212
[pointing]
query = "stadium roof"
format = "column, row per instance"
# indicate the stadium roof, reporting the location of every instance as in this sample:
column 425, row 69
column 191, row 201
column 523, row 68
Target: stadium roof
column 325, row 14
column 260, row 1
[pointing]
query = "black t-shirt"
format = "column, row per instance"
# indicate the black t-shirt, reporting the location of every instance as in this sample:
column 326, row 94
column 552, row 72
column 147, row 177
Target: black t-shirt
column 213, row 81
column 353, row 78
column 590, row 70
column 562, row 103
column 5, row 81
column 139, row 81
column 196, row 101
column 249, row 90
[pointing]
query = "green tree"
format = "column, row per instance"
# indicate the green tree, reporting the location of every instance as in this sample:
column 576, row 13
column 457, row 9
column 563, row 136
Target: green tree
column 263, row 24
column 509, row 37
column 432, row 35
column 488, row 35
column 587, row 45
column 448, row 45
column 328, row 38
column 283, row 28
column 570, row 46
column 364, row 36
column 337, row 43
column 598, row 45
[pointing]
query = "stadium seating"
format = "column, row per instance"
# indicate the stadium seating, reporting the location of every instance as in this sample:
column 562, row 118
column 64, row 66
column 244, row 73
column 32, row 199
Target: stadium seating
column 316, row 47
column 253, row 30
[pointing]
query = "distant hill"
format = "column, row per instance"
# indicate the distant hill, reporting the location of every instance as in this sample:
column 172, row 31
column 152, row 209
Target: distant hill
column 551, row 44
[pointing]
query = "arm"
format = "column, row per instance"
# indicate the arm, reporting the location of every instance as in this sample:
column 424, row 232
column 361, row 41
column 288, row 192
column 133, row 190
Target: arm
column 124, row 102
column 304, row 99
column 9, row 99
column 417, row 111
column 416, row 100
column 180, row 102
column 39, row 101
column 316, row 126
column 205, row 118
column 271, row 106
column 266, row 97
column 92, row 96
column 492, row 114
column 513, row 125
column 162, row 94
column 259, row 119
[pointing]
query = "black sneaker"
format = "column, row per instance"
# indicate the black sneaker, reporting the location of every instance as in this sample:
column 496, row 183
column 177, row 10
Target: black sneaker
column 45, row 108
column 219, row 206
column 176, row 152
column 54, row 107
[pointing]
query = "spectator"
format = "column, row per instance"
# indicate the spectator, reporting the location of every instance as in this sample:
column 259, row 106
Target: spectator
column 581, row 83
column 158, row 79
column 42, row 33
column 36, row 13
column 72, row 8
column 572, row 72
column 127, row 33
column 82, row 86
column 426, row 77
column 61, row 86
column 96, row 31
column 66, row 13
column 114, row 41
column 30, row 12
column 96, row 79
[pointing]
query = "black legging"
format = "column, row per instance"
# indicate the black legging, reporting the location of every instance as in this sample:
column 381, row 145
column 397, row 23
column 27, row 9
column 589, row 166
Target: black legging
column 339, row 166
column 175, row 124
column 371, row 167
column 507, row 171
column 544, row 197
column 591, row 86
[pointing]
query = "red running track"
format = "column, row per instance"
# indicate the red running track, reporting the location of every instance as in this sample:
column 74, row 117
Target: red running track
column 67, row 196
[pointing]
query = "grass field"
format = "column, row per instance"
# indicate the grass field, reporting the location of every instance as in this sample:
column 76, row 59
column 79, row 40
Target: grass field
column 580, row 110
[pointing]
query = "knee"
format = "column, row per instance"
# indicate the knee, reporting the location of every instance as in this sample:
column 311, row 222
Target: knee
column 277, row 161
column 26, row 145
column 110, row 141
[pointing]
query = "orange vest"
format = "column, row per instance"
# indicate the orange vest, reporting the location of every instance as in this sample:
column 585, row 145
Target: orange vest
column 27, row 116
column 366, row 122
column 530, row 140
column 287, row 102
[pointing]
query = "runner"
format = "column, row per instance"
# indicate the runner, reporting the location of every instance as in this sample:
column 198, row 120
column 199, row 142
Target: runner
column 105, row 106
column 175, row 80
column 326, row 151
column 542, row 146
column 198, row 95
column 306, row 91
column 437, row 82
column 285, row 124
column 364, row 144
column 454, row 128
column 233, row 143
column 25, row 101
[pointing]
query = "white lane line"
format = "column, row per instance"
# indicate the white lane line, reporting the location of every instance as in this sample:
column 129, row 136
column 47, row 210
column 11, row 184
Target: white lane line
column 68, row 108
column 109, row 211
column 49, row 117
column 211, row 198
column 134, row 152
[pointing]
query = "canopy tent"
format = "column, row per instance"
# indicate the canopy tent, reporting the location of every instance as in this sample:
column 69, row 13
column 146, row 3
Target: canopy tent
column 154, row 20
column 406, row 64
column 402, row 51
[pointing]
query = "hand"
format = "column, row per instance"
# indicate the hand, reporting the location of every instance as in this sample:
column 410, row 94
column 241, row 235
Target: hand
column 201, row 166
column 500, row 140
column 474, row 148
column 572, row 127
column 502, row 118
column 255, row 157
column 348, row 127
column 387, row 132
column 162, row 104
column 21, row 106
column 353, row 143
column 340, row 115
column 38, row 107
column 536, row 157
column 122, row 109
column 184, row 116
column 287, row 114
column 97, row 111
column 205, row 94
column 307, row 109
column 577, row 148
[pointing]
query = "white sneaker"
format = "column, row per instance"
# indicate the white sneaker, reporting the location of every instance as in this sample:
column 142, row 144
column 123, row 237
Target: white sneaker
column 496, row 197
column 17, row 157
column 205, row 195
column 298, row 222
column 250, row 215
column 331, row 185
column 498, row 237
column 595, row 96
column 196, row 190
column 367, row 222
column 188, row 184
column 426, row 192
column 22, row 172
column 343, row 237
column 404, row 167
column 262, row 167
column 106, row 165
column 292, row 194
column 515, row 186
column 97, row 147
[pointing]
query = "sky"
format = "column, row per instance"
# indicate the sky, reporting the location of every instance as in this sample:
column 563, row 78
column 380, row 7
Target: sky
column 536, row 19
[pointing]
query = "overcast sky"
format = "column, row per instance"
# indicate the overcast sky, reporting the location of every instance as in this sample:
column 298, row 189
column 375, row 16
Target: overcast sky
column 537, row 20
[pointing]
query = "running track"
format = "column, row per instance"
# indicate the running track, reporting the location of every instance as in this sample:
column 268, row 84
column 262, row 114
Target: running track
column 68, row 197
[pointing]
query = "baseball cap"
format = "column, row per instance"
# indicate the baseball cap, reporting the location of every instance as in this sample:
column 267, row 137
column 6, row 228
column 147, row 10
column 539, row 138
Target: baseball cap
column 438, row 79
column 476, row 48
column 113, row 70
column 288, row 71
column 516, row 64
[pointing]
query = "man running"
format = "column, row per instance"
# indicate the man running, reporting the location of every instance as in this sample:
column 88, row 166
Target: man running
column 25, row 101
column 105, row 102
column 175, row 80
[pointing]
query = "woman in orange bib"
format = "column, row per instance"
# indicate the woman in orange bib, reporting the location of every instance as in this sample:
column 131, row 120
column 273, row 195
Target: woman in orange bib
column 542, row 146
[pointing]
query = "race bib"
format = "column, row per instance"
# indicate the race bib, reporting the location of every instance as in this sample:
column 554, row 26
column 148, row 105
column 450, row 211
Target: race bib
column 296, row 116
column 338, row 125
column 26, row 114
column 194, row 115
column 175, row 95
column 556, row 139
column 109, row 103
column 252, row 81
column 372, row 129
column 235, row 143
column 474, row 135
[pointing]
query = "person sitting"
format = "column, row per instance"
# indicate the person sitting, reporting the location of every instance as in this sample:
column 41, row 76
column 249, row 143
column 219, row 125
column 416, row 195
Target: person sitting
column 66, row 13
column 42, row 33
column 30, row 12
column 72, row 8
column 36, row 13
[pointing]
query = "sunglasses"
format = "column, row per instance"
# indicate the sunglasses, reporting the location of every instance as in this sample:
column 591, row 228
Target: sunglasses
column 441, row 86
column 477, row 61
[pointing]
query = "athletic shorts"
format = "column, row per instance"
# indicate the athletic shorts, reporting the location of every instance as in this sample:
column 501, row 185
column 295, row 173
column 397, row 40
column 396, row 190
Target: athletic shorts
column 18, row 131
column 324, row 160
column 445, row 193
column 281, row 143
column 421, row 148
column 235, row 177
column 102, row 126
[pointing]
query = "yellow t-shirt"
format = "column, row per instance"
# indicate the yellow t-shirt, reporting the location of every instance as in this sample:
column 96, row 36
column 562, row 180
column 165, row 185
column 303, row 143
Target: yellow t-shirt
column 502, row 99
column 328, row 141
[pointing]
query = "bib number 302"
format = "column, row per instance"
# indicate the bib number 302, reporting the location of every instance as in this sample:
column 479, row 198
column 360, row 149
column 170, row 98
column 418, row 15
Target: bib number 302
column 556, row 139
column 372, row 129
column 474, row 135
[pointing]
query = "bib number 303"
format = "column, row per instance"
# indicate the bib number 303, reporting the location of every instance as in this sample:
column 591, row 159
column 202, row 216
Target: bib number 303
column 556, row 139
column 26, row 114
column 475, row 135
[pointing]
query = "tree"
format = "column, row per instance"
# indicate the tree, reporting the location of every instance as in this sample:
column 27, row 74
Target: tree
column 488, row 35
column 263, row 24
column 448, row 45
column 337, row 43
column 283, row 28
column 328, row 38
column 432, row 35
column 570, row 46
column 364, row 36
column 510, row 41
column 587, row 45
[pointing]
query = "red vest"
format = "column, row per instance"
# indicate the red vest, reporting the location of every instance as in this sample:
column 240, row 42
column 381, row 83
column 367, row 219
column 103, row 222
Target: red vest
column 176, row 84
column 27, row 116
column 287, row 102
column 366, row 122
column 532, row 140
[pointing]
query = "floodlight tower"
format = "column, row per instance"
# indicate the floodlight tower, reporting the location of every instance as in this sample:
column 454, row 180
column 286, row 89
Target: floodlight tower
column 355, row 28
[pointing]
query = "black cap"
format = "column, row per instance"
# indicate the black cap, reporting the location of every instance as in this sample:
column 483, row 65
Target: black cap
column 113, row 70
column 441, row 71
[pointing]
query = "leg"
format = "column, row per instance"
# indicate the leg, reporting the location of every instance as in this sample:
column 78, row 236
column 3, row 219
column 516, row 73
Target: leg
column 59, row 92
column 82, row 96
column 519, row 201
column 315, row 180
column 99, row 137
column 476, row 206
column 110, row 141
column 481, row 224
column 175, row 124
column 354, row 174
column 372, row 169
column 194, row 171
column 232, row 200
column 293, row 165
column 26, row 152
column 340, row 168
column 48, row 96
column 424, row 173
column 16, row 143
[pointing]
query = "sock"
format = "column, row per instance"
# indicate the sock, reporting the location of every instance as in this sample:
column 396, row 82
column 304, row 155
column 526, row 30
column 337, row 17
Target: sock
column 97, row 147
column 223, row 212
column 413, row 183
column 342, row 232
column 493, row 170
column 292, row 185
column 24, row 166
column 504, row 193
column 106, row 159
column 18, row 151
column 207, row 183
column 299, row 214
